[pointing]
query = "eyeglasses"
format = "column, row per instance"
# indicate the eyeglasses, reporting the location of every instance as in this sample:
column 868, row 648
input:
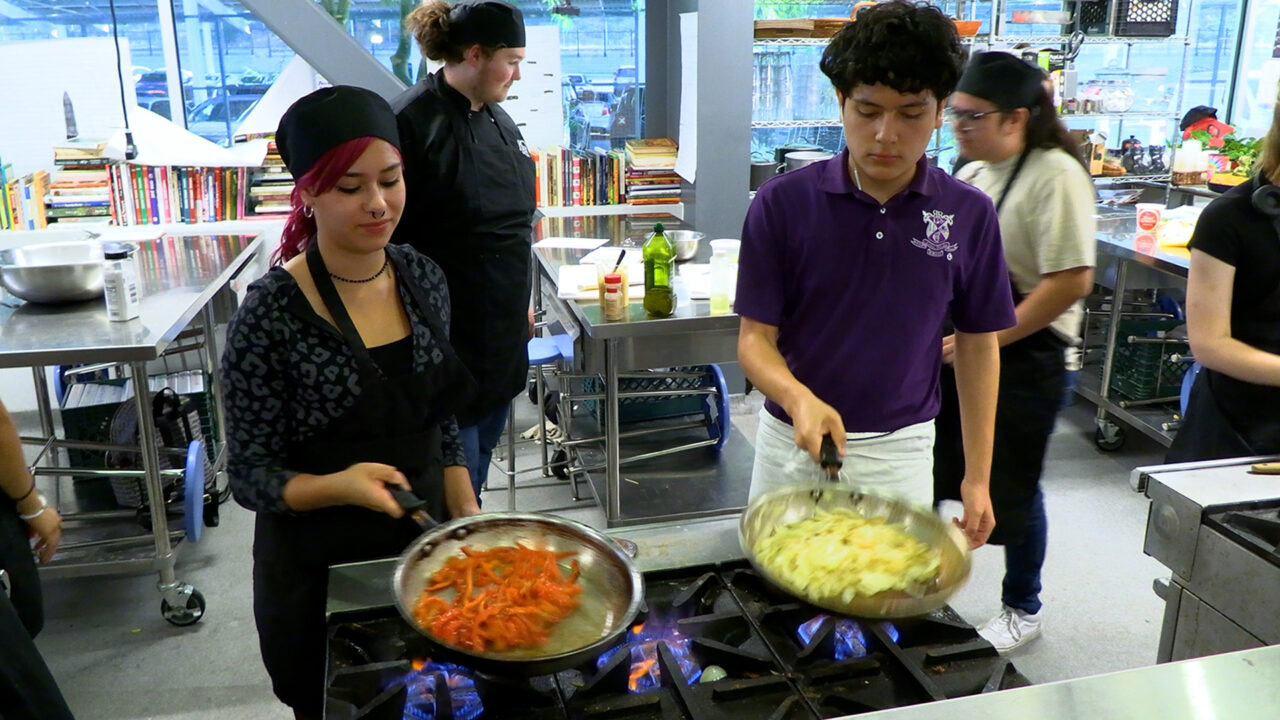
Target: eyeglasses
column 966, row 118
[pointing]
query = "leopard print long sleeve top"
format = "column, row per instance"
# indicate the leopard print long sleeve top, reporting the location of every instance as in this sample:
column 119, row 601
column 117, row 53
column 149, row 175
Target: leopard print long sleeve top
column 287, row 373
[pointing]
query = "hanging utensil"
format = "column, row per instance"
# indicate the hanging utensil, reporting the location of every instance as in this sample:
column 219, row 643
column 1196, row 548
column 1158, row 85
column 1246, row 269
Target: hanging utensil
column 1074, row 41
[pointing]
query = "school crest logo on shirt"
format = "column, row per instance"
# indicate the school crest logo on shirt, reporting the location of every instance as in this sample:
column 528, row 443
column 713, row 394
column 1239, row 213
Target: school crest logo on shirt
column 937, row 229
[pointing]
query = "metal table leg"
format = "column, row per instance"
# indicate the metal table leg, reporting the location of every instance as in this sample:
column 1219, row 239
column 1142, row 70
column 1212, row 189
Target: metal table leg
column 46, row 422
column 613, row 480
column 1113, row 332
column 181, row 604
column 213, row 360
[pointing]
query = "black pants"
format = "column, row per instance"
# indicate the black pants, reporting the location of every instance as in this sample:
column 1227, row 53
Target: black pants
column 27, row 689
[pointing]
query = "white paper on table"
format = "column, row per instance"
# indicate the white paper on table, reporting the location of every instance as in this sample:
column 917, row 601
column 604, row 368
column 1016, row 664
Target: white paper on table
column 687, row 149
column 698, row 275
column 571, row 243
column 633, row 256
column 578, row 282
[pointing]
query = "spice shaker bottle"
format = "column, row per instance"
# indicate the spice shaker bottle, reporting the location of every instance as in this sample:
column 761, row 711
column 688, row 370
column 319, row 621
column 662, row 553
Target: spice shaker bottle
column 120, row 284
column 614, row 307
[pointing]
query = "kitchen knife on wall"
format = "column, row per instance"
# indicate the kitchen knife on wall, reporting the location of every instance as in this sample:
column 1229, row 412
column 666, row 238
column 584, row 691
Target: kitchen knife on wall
column 69, row 114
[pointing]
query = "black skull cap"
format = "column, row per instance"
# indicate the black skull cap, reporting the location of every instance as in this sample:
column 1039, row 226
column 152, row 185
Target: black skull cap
column 1006, row 80
column 329, row 117
column 488, row 22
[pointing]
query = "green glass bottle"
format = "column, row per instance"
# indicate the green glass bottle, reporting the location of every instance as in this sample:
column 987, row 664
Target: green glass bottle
column 659, row 264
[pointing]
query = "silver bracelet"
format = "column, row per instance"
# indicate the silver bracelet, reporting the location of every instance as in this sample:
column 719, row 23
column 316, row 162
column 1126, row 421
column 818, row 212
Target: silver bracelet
column 44, row 505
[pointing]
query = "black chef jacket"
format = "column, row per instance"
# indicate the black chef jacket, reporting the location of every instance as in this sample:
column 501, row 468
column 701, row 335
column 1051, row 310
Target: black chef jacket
column 470, row 205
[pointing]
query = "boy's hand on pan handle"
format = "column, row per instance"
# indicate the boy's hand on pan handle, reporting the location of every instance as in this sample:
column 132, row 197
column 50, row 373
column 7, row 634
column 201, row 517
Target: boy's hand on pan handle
column 813, row 419
column 364, row 485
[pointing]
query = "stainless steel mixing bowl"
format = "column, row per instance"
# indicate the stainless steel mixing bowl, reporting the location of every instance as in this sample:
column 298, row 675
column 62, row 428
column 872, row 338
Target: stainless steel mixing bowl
column 686, row 242
column 53, row 272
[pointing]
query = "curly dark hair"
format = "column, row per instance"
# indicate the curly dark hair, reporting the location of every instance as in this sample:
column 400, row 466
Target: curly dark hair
column 908, row 46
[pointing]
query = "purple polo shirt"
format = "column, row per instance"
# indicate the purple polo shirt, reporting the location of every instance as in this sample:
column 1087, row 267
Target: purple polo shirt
column 859, row 291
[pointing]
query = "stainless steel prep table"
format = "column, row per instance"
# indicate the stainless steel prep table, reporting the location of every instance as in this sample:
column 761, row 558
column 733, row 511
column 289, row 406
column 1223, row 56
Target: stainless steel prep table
column 692, row 336
column 1139, row 262
column 179, row 275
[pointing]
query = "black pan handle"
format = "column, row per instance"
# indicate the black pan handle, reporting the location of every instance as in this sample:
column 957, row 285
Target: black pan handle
column 830, row 461
column 412, row 505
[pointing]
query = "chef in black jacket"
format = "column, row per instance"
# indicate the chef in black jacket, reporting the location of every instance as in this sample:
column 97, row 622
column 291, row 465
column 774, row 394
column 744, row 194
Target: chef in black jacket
column 1233, row 320
column 470, row 206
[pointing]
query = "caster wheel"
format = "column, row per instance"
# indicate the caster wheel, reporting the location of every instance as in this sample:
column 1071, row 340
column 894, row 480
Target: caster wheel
column 188, row 613
column 1111, row 439
column 560, row 464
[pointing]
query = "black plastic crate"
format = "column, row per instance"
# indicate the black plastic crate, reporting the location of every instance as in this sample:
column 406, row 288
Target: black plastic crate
column 1146, row 18
column 93, row 423
column 1095, row 16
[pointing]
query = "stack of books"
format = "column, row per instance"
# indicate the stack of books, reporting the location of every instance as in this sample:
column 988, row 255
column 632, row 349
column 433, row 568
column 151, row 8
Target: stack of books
column 147, row 195
column 79, row 189
column 270, row 185
column 567, row 177
column 651, row 177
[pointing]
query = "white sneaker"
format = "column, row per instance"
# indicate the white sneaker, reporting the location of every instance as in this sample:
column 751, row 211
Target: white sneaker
column 1010, row 630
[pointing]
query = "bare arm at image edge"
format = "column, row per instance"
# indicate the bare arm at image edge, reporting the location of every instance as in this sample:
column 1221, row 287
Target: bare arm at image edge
column 43, row 524
column 977, row 381
column 1210, row 285
column 765, row 367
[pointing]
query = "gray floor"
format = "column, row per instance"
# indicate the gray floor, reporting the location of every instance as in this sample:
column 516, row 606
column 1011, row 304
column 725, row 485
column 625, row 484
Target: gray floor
column 116, row 658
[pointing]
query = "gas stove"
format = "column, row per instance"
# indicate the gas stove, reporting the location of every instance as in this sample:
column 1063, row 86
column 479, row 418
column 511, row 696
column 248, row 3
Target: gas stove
column 713, row 642
column 1216, row 526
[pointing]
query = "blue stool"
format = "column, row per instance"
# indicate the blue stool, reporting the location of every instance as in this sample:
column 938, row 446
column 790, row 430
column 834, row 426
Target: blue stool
column 542, row 352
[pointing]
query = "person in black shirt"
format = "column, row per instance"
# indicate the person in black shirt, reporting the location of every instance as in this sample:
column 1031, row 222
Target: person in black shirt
column 27, row 688
column 1233, row 320
column 471, row 200
column 339, row 381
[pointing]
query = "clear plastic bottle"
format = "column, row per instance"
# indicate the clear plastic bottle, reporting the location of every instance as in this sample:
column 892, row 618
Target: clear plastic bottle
column 120, row 284
column 721, row 280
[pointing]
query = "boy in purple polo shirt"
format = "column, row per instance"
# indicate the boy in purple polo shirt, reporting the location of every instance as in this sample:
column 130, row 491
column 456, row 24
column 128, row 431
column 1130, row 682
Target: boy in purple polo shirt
column 849, row 267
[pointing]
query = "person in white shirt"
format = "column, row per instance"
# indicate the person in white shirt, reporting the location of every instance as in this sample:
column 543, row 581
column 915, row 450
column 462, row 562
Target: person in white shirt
column 1025, row 160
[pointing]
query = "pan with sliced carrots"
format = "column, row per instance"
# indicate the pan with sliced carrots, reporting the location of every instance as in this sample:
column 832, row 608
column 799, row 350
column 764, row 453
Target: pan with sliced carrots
column 518, row 593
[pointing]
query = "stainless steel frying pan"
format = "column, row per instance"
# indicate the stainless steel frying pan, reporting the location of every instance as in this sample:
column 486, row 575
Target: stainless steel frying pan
column 612, row 588
column 795, row 503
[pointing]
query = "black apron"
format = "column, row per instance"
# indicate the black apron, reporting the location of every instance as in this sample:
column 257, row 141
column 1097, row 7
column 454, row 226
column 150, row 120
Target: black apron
column 27, row 689
column 394, row 421
column 1226, row 417
column 1032, row 377
column 489, row 278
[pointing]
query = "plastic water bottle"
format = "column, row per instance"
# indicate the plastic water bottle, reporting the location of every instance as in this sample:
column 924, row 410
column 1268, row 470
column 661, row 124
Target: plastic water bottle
column 724, row 275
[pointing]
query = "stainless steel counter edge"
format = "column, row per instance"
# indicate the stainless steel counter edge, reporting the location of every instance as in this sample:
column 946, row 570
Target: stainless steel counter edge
column 357, row 586
column 1238, row 685
column 150, row 350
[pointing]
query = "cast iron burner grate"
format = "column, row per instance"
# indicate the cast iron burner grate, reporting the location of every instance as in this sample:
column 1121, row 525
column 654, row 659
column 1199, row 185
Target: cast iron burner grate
column 1255, row 526
column 712, row 643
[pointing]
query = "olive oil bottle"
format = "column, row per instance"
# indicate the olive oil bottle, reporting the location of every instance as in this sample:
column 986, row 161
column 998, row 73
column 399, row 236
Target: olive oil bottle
column 659, row 265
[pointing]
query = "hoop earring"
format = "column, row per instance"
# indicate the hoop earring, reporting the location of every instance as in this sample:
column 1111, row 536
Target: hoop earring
column 307, row 211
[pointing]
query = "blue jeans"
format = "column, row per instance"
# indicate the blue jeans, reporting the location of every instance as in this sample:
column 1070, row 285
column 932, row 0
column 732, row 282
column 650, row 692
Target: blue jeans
column 479, row 440
column 1022, row 562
